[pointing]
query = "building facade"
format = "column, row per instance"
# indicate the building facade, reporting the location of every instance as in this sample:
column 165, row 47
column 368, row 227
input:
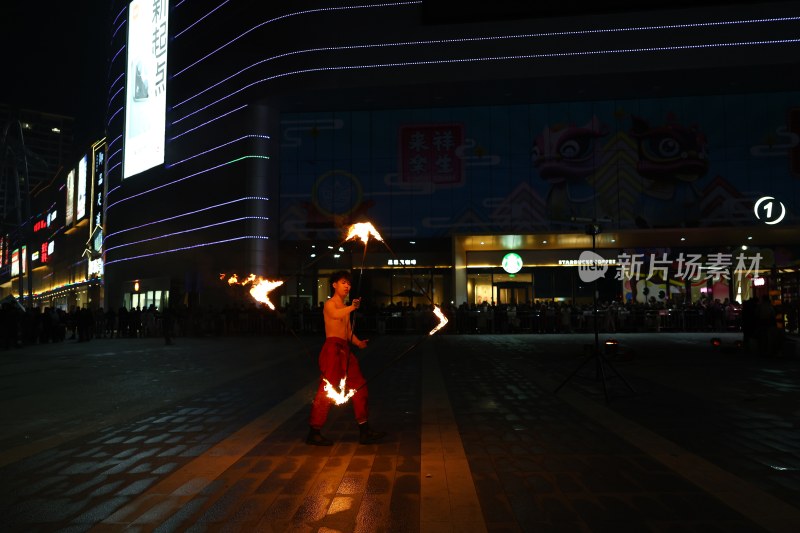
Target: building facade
column 491, row 155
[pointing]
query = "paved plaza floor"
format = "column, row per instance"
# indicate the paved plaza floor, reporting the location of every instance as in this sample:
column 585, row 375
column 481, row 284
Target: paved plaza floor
column 497, row 433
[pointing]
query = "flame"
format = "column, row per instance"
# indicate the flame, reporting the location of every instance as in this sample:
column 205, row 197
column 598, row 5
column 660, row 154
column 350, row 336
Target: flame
column 338, row 397
column 363, row 230
column 442, row 319
column 260, row 289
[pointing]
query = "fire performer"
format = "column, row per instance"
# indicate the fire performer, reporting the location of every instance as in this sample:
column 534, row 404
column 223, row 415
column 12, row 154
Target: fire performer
column 337, row 362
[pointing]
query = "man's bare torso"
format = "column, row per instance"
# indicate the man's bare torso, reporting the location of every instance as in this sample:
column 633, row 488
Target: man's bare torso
column 336, row 327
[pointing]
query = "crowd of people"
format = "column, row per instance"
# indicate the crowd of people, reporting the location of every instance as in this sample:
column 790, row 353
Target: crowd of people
column 758, row 320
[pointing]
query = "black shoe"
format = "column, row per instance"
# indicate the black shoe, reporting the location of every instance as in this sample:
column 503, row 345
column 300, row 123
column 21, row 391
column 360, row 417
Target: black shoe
column 315, row 438
column 368, row 435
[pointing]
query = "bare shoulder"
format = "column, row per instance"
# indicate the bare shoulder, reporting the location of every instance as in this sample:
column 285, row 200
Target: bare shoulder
column 330, row 305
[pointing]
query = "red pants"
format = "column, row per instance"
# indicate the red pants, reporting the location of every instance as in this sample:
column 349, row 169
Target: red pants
column 336, row 360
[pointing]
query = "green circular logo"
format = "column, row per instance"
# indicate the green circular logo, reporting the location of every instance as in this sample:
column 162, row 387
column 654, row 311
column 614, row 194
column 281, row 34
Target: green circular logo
column 512, row 263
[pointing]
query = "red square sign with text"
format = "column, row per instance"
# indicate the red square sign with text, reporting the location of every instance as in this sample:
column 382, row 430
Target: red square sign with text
column 428, row 153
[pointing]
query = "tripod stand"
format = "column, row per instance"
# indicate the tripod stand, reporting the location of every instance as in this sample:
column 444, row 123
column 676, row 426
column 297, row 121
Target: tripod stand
column 601, row 362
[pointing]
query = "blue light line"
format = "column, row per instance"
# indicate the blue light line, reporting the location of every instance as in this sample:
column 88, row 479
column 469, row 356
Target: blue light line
column 204, row 123
column 250, row 136
column 201, row 245
column 185, row 231
column 304, row 12
column 116, row 139
column 115, row 114
column 188, row 213
column 490, row 38
column 118, row 53
column 491, row 58
column 193, row 24
column 173, row 182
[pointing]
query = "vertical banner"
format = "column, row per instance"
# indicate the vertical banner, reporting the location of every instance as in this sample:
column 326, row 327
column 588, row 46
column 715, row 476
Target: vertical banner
column 98, row 185
column 146, row 86
column 80, row 207
column 69, row 212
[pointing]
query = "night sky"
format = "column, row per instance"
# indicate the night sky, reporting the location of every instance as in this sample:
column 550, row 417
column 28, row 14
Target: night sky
column 54, row 56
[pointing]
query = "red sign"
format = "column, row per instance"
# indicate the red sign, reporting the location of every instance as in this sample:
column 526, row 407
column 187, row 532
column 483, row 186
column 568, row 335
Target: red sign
column 428, row 153
column 39, row 225
column 43, row 253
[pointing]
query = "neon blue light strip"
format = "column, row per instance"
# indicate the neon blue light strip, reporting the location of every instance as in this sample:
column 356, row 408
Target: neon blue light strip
column 185, row 231
column 121, row 11
column 494, row 58
column 115, row 114
column 305, row 12
column 192, row 25
column 111, row 87
column 122, row 25
column 494, row 38
column 217, row 148
column 188, row 213
column 115, row 166
column 205, row 123
column 119, row 137
column 173, row 182
column 118, row 53
column 113, row 96
column 186, row 248
column 115, row 153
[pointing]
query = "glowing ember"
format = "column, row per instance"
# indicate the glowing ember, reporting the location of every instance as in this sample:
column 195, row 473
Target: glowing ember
column 363, row 230
column 338, row 397
column 260, row 289
column 442, row 319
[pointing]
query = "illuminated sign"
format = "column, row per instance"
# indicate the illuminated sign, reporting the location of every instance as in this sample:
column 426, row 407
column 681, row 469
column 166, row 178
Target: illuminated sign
column 512, row 263
column 51, row 217
column 35, row 256
column 758, row 282
column 97, row 186
column 15, row 260
column 96, row 267
column 146, row 86
column 44, row 253
column 772, row 210
column 70, row 197
column 80, row 208
column 39, row 225
column 401, row 262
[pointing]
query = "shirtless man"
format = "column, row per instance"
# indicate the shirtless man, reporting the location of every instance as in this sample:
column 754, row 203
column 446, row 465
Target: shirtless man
column 337, row 361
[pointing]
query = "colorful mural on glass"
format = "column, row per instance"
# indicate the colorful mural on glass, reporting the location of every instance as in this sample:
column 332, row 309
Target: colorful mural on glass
column 675, row 162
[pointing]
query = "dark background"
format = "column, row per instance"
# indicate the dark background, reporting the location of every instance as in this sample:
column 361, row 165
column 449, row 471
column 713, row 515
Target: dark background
column 55, row 53
column 54, row 59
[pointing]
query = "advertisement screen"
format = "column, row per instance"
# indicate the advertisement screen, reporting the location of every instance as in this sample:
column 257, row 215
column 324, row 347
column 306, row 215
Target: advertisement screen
column 146, row 86
column 16, row 256
column 80, row 207
column 70, row 198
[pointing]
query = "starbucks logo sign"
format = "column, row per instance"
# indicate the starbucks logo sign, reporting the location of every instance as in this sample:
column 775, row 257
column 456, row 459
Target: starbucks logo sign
column 512, row 263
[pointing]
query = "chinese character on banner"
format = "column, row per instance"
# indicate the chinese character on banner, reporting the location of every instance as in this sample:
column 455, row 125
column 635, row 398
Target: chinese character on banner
column 689, row 267
column 428, row 153
column 718, row 266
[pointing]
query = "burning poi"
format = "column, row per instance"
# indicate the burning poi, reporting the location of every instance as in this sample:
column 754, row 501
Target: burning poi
column 363, row 230
column 260, row 289
column 442, row 319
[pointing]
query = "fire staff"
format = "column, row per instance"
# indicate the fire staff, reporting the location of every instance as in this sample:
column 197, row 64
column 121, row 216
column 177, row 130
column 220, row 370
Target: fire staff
column 337, row 363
